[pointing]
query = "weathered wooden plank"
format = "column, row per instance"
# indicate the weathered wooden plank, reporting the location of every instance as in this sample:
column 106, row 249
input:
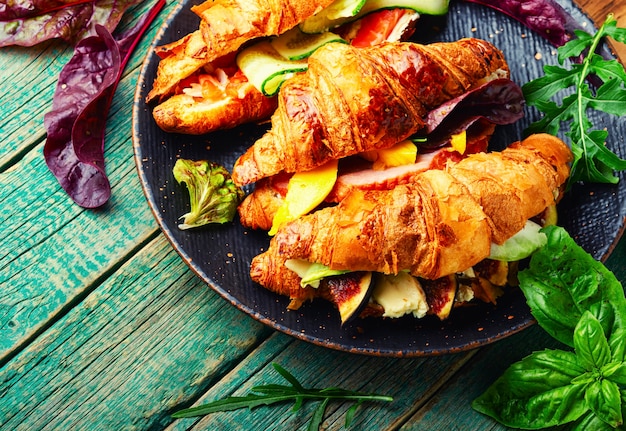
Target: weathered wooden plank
column 410, row 381
column 53, row 251
column 27, row 96
column 148, row 339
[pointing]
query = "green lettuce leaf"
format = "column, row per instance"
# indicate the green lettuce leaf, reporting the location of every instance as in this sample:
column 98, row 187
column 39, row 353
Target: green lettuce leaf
column 521, row 245
column 311, row 273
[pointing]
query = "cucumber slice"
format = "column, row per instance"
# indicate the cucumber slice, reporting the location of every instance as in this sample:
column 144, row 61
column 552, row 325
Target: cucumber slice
column 335, row 14
column 426, row 7
column 296, row 45
column 266, row 69
column 321, row 21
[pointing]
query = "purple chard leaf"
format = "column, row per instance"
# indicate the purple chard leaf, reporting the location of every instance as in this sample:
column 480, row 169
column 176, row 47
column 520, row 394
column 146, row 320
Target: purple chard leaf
column 29, row 22
column 30, row 8
column 499, row 102
column 74, row 148
column 546, row 17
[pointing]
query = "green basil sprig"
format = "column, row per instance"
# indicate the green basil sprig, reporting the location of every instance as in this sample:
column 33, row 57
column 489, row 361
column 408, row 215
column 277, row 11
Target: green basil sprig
column 578, row 301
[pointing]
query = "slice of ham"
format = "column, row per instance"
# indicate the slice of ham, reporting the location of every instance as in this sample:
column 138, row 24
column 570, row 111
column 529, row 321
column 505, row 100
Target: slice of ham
column 371, row 179
column 365, row 178
column 258, row 209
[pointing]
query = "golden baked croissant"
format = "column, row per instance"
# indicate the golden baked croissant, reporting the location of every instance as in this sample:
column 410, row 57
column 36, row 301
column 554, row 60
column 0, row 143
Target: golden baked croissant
column 178, row 60
column 352, row 100
column 239, row 102
column 442, row 223
column 228, row 24
column 225, row 25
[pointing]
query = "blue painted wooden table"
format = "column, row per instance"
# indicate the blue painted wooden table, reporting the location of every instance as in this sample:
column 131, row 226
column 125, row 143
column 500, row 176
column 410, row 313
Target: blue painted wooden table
column 103, row 326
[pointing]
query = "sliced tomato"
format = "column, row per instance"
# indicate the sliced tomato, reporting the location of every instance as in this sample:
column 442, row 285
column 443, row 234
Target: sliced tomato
column 376, row 27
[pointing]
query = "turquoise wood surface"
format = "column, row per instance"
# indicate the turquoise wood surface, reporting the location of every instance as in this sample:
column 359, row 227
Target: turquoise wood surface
column 102, row 325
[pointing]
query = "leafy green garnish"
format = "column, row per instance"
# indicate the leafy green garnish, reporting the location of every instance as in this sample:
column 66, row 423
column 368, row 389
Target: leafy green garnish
column 272, row 394
column 311, row 274
column 213, row 195
column 578, row 301
column 593, row 162
column 521, row 245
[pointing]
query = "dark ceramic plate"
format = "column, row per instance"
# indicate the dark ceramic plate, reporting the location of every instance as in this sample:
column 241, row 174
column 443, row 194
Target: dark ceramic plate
column 220, row 255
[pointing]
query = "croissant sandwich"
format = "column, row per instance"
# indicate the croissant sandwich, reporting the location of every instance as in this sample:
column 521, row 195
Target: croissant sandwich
column 322, row 116
column 354, row 100
column 444, row 222
column 200, row 86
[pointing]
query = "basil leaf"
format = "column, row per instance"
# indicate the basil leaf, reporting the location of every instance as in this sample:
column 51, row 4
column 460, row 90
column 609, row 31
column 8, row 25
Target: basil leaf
column 590, row 343
column 617, row 343
column 585, row 379
column 603, row 398
column 615, row 372
column 591, row 422
column 563, row 280
column 536, row 392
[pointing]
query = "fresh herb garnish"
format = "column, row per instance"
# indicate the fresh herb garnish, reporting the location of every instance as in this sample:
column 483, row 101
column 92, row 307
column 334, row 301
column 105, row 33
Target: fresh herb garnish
column 213, row 195
column 577, row 300
column 273, row 394
column 593, row 161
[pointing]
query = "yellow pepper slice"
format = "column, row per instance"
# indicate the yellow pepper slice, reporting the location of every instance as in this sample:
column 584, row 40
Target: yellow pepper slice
column 459, row 142
column 402, row 153
column 305, row 191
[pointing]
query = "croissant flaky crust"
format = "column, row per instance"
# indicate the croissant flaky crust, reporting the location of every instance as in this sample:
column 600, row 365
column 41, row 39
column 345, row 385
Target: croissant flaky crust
column 442, row 223
column 183, row 113
column 178, row 60
column 228, row 24
column 225, row 25
column 352, row 100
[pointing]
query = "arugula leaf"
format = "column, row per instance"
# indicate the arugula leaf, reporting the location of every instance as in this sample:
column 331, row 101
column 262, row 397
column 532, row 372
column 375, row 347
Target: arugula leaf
column 272, row 394
column 593, row 162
